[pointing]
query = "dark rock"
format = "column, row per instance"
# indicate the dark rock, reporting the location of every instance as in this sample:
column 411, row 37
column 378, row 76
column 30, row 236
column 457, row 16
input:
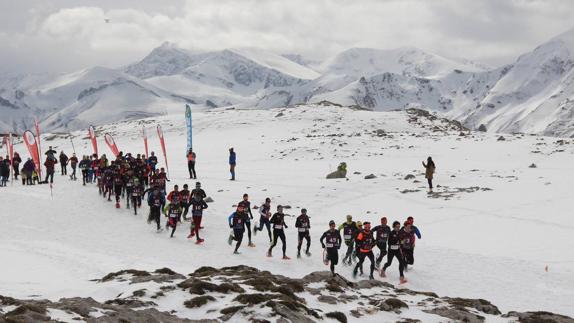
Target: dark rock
column 337, row 316
column 291, row 314
column 370, row 176
column 327, row 299
column 409, row 177
column 457, row 314
column 130, row 302
column 482, row 128
column 165, row 271
column 139, row 293
column 381, row 133
column 232, row 309
column 133, row 272
column 501, row 138
column 540, row 317
column 366, row 284
column 204, row 271
column 252, row 299
column 392, row 304
column 198, row 301
column 199, row 287
column 533, row 165
column 478, row 304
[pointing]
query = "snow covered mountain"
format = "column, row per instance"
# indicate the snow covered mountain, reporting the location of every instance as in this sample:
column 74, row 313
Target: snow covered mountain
column 241, row 77
column 534, row 94
column 73, row 101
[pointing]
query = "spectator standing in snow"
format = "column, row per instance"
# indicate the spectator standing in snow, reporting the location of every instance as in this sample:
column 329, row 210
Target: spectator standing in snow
column 4, row 171
column 191, row 164
column 63, row 163
column 430, row 168
column 50, row 164
column 232, row 163
column 16, row 164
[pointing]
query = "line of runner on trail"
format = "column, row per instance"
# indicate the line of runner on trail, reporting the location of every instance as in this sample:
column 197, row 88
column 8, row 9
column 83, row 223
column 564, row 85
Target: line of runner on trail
column 131, row 178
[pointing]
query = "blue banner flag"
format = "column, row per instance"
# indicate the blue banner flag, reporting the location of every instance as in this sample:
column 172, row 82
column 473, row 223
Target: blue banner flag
column 188, row 122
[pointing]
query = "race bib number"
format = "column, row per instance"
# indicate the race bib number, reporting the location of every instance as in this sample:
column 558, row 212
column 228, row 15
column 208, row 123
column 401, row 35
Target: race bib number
column 302, row 230
column 394, row 247
column 278, row 226
column 329, row 245
column 347, row 237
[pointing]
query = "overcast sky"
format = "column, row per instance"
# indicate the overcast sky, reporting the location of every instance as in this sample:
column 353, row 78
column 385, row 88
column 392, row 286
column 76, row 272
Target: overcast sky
column 65, row 35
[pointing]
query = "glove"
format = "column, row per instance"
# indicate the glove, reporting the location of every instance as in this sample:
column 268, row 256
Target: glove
column 323, row 245
column 231, row 226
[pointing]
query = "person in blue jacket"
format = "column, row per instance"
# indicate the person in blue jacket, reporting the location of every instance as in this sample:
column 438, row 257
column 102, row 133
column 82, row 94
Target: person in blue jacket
column 237, row 222
column 232, row 163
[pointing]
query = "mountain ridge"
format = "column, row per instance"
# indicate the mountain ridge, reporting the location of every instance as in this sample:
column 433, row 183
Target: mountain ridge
column 534, row 94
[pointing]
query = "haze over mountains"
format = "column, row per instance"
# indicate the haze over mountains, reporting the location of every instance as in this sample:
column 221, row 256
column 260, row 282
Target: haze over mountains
column 535, row 94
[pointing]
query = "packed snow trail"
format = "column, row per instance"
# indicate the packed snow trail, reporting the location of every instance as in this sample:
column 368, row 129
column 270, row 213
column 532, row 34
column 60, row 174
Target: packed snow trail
column 485, row 244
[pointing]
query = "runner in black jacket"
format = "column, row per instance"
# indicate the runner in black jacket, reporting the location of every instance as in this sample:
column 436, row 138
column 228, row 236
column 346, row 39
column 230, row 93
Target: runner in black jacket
column 395, row 251
column 332, row 245
column 303, row 225
column 278, row 223
column 247, row 206
column 382, row 232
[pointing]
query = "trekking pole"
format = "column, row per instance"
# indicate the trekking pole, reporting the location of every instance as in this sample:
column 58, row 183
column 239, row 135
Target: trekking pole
column 51, row 192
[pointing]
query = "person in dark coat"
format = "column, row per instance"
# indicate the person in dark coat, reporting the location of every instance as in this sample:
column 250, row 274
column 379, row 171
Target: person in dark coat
column 63, row 163
column 50, row 164
column 28, row 171
column 16, row 161
column 429, row 173
column 4, row 171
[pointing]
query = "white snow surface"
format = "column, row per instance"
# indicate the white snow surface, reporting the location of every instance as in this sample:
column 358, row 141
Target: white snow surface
column 492, row 244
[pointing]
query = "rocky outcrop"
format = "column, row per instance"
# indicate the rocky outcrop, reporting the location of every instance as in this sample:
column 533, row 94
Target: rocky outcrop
column 242, row 293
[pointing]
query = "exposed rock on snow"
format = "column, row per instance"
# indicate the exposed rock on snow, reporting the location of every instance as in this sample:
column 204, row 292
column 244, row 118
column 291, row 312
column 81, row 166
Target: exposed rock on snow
column 244, row 293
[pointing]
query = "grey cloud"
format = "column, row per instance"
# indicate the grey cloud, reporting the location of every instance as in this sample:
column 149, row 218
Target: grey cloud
column 63, row 35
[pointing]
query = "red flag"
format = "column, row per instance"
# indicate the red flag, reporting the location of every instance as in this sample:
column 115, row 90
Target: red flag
column 32, row 145
column 92, row 134
column 145, row 140
column 11, row 154
column 161, row 140
column 112, row 144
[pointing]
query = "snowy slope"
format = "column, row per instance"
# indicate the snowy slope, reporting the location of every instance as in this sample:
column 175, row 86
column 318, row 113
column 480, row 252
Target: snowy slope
column 532, row 95
column 359, row 62
column 536, row 93
column 93, row 96
column 489, row 230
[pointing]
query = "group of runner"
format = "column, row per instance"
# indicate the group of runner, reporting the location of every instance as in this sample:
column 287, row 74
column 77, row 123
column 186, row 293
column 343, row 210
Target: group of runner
column 132, row 177
column 360, row 238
